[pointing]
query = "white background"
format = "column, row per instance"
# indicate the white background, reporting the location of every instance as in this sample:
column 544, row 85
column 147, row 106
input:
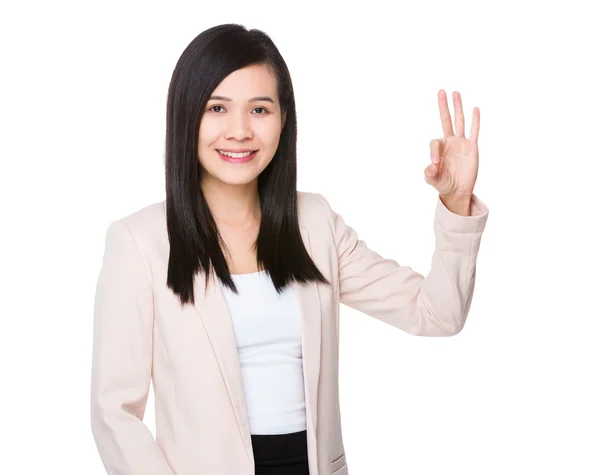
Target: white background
column 83, row 95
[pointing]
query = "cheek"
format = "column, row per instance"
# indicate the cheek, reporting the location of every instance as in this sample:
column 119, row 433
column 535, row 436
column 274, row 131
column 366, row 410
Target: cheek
column 207, row 134
column 270, row 134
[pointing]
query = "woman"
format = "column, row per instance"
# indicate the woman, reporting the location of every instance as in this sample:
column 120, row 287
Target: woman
column 226, row 295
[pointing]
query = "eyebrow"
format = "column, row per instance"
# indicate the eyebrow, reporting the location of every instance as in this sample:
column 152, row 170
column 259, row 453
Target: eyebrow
column 259, row 98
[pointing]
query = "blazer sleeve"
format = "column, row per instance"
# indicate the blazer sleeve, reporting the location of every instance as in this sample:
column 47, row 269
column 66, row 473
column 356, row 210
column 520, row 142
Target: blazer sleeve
column 122, row 360
column 436, row 305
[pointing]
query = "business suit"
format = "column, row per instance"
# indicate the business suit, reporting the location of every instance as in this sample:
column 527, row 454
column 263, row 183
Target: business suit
column 142, row 333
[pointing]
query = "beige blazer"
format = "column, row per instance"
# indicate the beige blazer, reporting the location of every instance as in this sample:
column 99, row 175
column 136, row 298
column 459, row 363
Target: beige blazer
column 141, row 334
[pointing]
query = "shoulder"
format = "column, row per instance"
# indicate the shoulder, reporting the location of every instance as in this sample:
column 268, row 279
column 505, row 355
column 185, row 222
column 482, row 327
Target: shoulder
column 146, row 225
column 313, row 210
column 146, row 216
column 309, row 203
column 308, row 199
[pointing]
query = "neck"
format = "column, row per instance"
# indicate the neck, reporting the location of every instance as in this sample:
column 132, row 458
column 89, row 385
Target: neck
column 234, row 205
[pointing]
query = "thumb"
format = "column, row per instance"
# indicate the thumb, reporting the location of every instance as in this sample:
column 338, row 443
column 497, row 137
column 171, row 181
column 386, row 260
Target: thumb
column 431, row 173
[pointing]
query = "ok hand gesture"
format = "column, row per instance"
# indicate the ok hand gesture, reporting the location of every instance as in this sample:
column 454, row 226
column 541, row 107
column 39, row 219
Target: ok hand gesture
column 455, row 158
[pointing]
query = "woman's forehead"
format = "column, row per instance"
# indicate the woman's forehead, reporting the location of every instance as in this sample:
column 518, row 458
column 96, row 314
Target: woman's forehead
column 248, row 84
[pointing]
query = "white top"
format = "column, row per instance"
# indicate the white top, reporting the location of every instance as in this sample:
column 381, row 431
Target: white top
column 269, row 343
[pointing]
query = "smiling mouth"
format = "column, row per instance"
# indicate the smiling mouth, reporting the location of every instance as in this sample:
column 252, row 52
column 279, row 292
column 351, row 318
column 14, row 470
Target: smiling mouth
column 238, row 157
column 245, row 152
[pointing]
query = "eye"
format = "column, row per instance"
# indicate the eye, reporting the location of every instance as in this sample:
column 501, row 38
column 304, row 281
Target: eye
column 265, row 110
column 211, row 108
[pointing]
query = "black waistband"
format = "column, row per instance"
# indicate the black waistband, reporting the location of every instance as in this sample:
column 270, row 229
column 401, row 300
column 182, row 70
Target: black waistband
column 280, row 449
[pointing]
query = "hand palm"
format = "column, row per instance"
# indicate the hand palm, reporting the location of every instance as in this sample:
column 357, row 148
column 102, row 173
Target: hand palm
column 457, row 169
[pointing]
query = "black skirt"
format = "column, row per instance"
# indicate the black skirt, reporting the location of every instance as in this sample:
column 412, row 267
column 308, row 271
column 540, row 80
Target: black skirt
column 280, row 454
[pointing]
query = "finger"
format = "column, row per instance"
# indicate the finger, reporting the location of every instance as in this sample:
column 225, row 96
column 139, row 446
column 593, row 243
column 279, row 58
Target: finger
column 445, row 114
column 431, row 174
column 475, row 125
column 459, row 117
column 435, row 147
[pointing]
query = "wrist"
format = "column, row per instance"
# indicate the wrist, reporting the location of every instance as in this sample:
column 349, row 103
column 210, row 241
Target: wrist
column 457, row 204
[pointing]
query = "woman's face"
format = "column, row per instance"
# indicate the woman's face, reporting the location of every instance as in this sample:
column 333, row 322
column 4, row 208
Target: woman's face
column 245, row 116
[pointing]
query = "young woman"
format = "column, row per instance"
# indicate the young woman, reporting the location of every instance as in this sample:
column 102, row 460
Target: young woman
column 226, row 294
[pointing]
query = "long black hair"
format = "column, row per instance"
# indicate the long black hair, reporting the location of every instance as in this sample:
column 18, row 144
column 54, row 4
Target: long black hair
column 195, row 242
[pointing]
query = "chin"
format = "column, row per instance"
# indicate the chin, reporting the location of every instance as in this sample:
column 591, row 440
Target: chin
column 241, row 179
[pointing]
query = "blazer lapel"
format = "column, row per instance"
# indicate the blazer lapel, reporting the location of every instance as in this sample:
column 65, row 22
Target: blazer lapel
column 212, row 309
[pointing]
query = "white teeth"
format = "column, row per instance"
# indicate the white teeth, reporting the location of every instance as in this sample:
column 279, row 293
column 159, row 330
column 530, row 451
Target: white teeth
column 235, row 155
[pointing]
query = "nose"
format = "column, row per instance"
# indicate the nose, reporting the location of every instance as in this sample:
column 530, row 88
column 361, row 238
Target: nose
column 239, row 126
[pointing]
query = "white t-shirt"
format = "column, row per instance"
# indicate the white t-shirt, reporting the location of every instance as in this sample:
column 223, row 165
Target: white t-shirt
column 269, row 343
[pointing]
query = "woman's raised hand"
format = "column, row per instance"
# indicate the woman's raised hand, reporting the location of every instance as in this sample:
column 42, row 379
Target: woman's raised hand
column 454, row 158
